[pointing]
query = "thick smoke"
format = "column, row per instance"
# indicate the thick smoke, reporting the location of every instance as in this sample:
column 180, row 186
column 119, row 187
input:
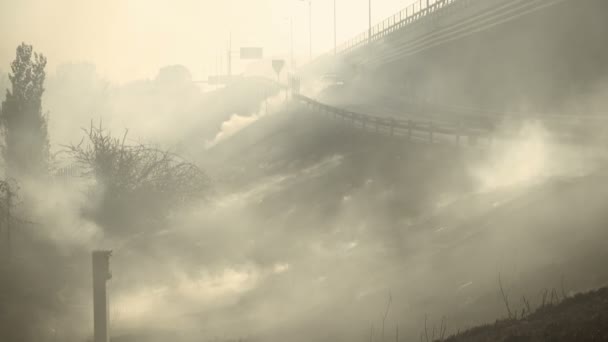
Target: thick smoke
column 238, row 122
column 312, row 224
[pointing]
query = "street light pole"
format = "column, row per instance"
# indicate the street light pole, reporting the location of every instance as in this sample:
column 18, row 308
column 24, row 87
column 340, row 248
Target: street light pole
column 369, row 33
column 291, row 52
column 230, row 55
column 310, row 29
column 291, row 41
column 335, row 41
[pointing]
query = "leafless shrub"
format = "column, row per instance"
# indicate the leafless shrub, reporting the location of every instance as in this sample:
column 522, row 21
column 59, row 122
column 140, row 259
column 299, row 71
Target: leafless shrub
column 136, row 179
column 426, row 331
column 371, row 334
column 8, row 190
column 554, row 297
column 564, row 295
column 544, row 298
column 526, row 306
column 388, row 305
column 397, row 333
column 441, row 332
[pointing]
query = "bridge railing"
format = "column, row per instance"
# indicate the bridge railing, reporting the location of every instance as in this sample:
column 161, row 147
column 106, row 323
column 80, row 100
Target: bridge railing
column 410, row 14
column 428, row 131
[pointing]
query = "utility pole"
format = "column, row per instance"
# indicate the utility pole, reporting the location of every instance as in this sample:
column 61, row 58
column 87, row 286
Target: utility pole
column 291, row 58
column 309, row 28
column 221, row 63
column 218, row 63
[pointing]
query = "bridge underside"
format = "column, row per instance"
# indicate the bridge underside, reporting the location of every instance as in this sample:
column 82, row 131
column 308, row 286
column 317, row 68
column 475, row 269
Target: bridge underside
column 551, row 59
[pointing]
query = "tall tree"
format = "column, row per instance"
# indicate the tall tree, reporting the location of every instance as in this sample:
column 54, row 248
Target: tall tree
column 23, row 123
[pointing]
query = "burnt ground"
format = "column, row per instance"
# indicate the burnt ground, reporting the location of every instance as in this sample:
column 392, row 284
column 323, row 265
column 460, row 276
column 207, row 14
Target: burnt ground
column 583, row 317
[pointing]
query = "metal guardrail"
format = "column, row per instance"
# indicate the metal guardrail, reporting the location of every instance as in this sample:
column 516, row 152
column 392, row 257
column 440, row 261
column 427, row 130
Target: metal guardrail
column 429, row 131
column 408, row 15
column 566, row 129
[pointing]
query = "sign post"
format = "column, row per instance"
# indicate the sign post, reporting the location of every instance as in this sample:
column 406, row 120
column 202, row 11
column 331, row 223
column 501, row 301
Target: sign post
column 277, row 65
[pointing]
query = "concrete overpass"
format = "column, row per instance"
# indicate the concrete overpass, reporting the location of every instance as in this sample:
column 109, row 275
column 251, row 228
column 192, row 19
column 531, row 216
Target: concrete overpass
column 493, row 56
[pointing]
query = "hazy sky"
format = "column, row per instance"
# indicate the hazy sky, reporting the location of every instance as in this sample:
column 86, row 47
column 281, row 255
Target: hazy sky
column 130, row 39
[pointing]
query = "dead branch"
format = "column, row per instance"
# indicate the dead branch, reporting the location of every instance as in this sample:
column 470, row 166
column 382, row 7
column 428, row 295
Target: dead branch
column 504, row 297
column 397, row 333
column 544, row 300
column 442, row 329
column 554, row 296
column 526, row 304
column 137, row 173
column 371, row 334
column 388, row 305
column 426, row 331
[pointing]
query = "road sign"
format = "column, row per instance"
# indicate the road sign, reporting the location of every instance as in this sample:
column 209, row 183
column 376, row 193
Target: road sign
column 252, row 53
column 277, row 65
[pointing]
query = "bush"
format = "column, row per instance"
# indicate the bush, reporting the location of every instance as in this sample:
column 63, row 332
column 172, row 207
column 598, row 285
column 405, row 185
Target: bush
column 135, row 183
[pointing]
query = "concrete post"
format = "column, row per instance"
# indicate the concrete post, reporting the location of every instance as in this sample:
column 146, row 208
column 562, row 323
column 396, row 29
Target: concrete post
column 101, row 274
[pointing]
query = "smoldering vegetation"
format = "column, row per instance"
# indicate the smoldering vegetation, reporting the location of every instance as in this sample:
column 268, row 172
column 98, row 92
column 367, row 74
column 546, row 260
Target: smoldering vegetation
column 431, row 225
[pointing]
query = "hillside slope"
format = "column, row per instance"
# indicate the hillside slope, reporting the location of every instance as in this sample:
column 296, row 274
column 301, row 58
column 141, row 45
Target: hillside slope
column 420, row 221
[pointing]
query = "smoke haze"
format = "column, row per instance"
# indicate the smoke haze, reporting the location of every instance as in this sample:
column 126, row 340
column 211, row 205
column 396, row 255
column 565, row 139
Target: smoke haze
column 311, row 229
